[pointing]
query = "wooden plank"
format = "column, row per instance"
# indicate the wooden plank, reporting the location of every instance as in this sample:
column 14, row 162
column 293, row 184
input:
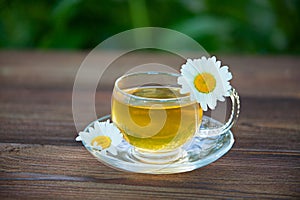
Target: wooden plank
column 50, row 171
column 253, row 75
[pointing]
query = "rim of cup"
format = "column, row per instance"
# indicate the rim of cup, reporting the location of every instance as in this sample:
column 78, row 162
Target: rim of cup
column 185, row 98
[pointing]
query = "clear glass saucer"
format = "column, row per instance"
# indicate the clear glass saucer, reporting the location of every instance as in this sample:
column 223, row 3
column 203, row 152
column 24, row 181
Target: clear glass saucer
column 197, row 153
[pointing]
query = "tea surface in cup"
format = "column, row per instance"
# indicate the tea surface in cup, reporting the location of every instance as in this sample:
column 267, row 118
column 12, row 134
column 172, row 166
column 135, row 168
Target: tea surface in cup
column 154, row 118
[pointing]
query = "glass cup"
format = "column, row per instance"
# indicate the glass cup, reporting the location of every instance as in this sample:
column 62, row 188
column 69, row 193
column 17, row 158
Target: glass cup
column 155, row 118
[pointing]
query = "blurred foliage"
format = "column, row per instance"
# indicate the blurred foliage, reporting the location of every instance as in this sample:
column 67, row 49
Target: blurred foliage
column 229, row 26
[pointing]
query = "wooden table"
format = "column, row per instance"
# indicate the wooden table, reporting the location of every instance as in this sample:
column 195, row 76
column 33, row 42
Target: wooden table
column 40, row 159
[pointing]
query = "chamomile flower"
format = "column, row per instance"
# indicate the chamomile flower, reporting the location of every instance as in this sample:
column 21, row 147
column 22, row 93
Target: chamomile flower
column 105, row 136
column 206, row 81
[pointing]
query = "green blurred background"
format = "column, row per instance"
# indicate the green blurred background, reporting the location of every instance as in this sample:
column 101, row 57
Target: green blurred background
column 228, row 26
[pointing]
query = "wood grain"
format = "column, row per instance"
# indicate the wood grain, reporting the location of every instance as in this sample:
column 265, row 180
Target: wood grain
column 40, row 159
column 241, row 173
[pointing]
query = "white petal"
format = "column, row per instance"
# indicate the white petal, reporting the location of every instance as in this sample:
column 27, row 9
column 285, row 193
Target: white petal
column 224, row 69
column 90, row 129
column 218, row 64
column 208, row 98
column 203, row 58
column 229, row 76
column 108, row 130
column 228, row 87
column 194, row 67
column 227, row 94
column 213, row 59
column 117, row 140
column 97, row 127
column 83, row 134
column 181, row 81
column 97, row 147
column 185, row 89
column 78, row 138
column 203, row 106
column 226, row 75
column 112, row 150
column 221, row 98
column 212, row 103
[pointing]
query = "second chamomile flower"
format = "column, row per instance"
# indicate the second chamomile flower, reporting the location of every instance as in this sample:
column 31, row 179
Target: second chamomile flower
column 105, row 136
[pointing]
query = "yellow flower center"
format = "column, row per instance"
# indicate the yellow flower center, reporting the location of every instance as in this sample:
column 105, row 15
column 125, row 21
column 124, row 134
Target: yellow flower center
column 205, row 82
column 103, row 141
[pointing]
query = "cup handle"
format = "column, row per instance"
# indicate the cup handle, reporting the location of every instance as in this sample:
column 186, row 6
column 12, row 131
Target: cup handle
column 206, row 130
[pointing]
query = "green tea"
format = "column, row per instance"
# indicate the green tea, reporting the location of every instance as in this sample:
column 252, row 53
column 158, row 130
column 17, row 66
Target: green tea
column 155, row 118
